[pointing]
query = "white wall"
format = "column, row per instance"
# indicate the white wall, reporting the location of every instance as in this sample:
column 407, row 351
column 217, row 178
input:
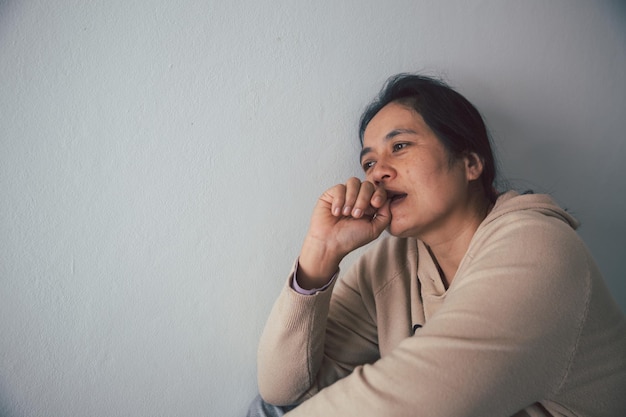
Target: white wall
column 159, row 161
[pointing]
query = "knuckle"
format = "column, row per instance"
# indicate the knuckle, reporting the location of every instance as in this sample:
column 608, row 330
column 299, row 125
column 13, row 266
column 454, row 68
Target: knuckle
column 369, row 186
column 353, row 182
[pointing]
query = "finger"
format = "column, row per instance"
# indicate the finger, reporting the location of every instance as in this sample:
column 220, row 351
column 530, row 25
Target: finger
column 338, row 194
column 382, row 218
column 379, row 197
column 362, row 204
column 353, row 185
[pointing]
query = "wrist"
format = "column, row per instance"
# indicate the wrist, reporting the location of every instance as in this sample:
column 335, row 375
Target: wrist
column 317, row 264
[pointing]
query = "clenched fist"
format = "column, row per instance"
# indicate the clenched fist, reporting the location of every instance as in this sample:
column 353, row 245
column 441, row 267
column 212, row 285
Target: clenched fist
column 346, row 217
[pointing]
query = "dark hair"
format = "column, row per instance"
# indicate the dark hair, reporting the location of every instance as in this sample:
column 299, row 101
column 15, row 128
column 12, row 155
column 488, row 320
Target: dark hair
column 454, row 120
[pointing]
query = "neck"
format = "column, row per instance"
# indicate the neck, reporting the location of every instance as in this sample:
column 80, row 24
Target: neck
column 448, row 249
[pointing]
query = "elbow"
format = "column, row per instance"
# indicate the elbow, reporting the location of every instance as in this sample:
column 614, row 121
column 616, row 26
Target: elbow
column 274, row 397
column 278, row 393
column 277, row 388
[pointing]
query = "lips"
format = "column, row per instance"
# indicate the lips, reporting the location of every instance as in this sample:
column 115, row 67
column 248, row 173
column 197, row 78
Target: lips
column 395, row 196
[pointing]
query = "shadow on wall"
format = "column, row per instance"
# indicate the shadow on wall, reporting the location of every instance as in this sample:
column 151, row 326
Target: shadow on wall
column 3, row 5
column 618, row 7
column 5, row 411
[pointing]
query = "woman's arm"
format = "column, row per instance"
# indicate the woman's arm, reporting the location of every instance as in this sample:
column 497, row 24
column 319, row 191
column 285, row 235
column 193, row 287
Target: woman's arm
column 346, row 217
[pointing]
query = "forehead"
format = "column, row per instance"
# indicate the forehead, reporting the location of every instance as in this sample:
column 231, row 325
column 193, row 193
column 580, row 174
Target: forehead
column 394, row 116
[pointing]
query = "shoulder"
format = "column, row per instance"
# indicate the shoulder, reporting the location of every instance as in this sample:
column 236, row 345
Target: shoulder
column 530, row 239
column 529, row 222
column 511, row 204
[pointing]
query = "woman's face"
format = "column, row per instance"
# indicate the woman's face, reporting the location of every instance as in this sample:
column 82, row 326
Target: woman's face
column 429, row 193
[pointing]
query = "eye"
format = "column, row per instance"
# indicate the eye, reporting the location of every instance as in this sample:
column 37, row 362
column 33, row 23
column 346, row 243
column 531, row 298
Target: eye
column 367, row 165
column 399, row 146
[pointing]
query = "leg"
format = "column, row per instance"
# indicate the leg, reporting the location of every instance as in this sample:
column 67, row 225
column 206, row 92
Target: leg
column 260, row 408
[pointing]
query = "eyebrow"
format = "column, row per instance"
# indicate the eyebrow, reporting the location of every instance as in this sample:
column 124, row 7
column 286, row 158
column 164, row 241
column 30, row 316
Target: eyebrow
column 387, row 138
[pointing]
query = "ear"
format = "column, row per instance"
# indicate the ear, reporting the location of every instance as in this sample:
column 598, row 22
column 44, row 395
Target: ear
column 473, row 166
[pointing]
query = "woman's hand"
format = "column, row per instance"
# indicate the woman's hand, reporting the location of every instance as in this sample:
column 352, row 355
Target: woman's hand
column 346, row 217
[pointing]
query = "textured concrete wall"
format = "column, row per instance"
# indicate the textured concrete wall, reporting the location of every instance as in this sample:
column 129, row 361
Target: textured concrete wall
column 159, row 162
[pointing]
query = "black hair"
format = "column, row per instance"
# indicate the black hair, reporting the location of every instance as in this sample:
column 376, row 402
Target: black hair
column 454, row 120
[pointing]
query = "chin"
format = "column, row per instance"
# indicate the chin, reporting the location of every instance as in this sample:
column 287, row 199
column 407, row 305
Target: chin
column 398, row 231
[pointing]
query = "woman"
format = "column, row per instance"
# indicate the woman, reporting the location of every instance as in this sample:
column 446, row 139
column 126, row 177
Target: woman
column 478, row 304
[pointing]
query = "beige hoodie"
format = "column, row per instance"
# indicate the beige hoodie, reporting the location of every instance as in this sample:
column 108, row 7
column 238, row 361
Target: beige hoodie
column 527, row 328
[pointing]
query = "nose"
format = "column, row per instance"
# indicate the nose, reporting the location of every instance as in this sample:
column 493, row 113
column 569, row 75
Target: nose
column 382, row 172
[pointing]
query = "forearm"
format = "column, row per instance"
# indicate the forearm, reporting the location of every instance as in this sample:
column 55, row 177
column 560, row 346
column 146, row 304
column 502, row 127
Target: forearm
column 292, row 345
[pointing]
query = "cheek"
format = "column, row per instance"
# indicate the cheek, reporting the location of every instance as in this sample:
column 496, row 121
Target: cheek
column 424, row 176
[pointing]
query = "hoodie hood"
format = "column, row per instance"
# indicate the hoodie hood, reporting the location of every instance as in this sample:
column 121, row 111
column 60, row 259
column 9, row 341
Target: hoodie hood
column 513, row 201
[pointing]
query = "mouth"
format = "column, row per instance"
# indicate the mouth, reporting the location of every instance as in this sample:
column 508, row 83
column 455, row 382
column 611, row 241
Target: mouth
column 395, row 197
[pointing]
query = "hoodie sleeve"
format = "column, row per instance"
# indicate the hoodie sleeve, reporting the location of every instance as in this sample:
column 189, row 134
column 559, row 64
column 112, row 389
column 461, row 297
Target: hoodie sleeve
column 303, row 350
